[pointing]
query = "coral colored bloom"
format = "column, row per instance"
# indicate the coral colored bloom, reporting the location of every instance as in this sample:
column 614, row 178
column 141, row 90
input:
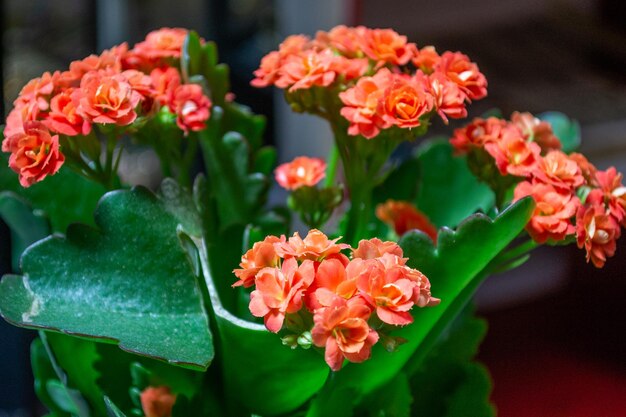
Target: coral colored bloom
column 386, row 46
column 343, row 39
column 596, row 231
column 404, row 216
column 558, row 170
column 35, row 94
column 35, row 153
column 109, row 60
column 64, row 118
column 16, row 119
column 553, row 211
column 396, row 269
column 349, row 69
column 165, row 81
column 268, row 71
column 374, row 248
column 610, row 182
column 513, row 155
column 426, row 59
column 191, row 106
column 478, row 133
column 537, row 131
column 157, row 401
column 331, row 280
column 302, row 171
column 405, row 101
column 307, row 69
column 262, row 255
column 449, row 99
column 342, row 330
column 314, row 246
column 389, row 294
column 279, row 291
column 363, row 104
column 106, row 99
column 458, row 68
column 162, row 43
column 587, row 168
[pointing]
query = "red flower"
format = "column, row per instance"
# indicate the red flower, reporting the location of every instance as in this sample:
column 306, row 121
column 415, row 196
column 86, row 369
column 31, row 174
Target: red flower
column 458, row 68
column 342, row 330
column 191, row 106
column 302, row 171
column 596, row 231
column 553, row 211
column 478, row 133
column 106, row 99
column 34, row 153
column 610, row 182
column 403, row 216
column 157, row 401
column 279, row 291
column 64, row 118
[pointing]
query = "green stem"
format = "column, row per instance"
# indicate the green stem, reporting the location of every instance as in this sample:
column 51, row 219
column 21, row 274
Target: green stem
column 331, row 168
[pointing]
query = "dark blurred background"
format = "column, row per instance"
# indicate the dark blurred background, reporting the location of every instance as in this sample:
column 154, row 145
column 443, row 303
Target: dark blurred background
column 557, row 340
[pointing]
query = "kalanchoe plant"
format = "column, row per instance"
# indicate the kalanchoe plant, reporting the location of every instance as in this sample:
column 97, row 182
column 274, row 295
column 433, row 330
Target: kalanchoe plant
column 146, row 306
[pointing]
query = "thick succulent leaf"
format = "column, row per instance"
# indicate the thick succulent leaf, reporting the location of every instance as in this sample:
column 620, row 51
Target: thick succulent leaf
column 128, row 282
column 274, row 378
column 65, row 197
column 566, row 129
column 454, row 268
column 443, row 373
column 448, row 192
column 27, row 226
column 44, row 372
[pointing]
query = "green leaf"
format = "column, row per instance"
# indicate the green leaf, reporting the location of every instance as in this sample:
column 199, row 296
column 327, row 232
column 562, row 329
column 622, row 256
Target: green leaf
column 44, row 372
column 473, row 394
column 27, row 226
column 401, row 184
column 128, row 282
column 190, row 55
column 65, row 197
column 455, row 269
column 274, row 378
column 566, row 129
column 448, row 191
column 68, row 400
column 112, row 409
column 391, row 400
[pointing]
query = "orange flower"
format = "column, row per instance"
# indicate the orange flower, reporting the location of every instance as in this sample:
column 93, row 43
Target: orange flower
column 536, row 131
column 610, row 182
column 458, row 68
column 349, row 69
column 107, row 99
column 386, row 46
column 478, row 133
column 302, row 171
column 343, row 39
column 306, row 69
column 109, row 60
column 33, row 100
column 587, row 168
column 513, row 155
column 362, row 104
column 157, row 401
column 403, row 216
column 34, row 153
column 314, row 246
column 262, row 255
column 342, row 330
column 268, row 71
column 426, row 59
column 558, row 170
column 596, row 231
column 405, row 101
column 553, row 211
column 165, row 81
column 279, row 291
column 191, row 106
column 374, row 248
column 64, row 118
column 331, row 280
column 395, row 269
column 390, row 294
column 161, row 43
column 449, row 99
column 16, row 119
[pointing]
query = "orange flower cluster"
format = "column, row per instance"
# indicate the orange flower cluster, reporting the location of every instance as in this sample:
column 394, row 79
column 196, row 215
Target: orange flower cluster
column 387, row 80
column 527, row 150
column 302, row 171
column 342, row 295
column 113, row 88
column 404, row 216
